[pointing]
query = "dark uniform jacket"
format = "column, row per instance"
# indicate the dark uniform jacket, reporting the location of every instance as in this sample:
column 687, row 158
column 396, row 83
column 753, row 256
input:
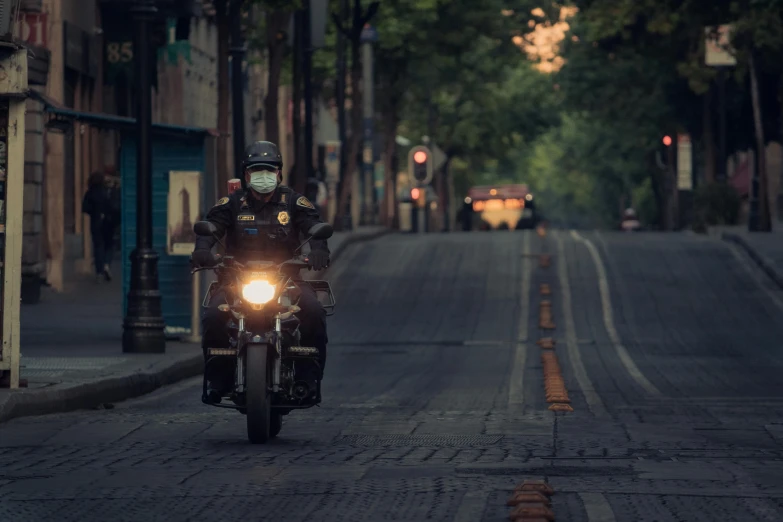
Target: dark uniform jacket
column 268, row 231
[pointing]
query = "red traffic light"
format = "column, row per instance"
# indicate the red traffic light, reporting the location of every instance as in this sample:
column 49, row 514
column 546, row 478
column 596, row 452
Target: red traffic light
column 667, row 140
column 415, row 193
column 420, row 156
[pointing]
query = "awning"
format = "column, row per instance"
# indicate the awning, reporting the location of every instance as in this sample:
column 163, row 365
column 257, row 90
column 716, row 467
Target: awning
column 109, row 121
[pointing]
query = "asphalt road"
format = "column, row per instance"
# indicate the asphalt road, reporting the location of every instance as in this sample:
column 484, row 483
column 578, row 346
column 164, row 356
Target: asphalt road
column 670, row 346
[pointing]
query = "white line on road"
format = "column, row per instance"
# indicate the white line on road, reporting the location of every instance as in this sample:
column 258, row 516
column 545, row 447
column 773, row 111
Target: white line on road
column 606, row 305
column 597, row 507
column 472, row 506
column 755, row 274
column 591, row 396
column 516, row 391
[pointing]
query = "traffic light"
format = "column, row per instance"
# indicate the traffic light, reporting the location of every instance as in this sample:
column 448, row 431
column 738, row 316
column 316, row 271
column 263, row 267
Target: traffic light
column 667, row 140
column 420, row 165
column 415, row 193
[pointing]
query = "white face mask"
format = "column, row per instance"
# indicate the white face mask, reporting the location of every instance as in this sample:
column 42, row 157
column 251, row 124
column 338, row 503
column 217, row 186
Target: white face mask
column 264, row 181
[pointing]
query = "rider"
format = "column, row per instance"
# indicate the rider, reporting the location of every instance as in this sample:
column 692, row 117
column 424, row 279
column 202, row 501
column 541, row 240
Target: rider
column 261, row 222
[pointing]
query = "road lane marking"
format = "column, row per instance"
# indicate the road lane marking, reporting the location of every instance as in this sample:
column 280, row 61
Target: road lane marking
column 755, row 274
column 545, row 316
column 472, row 506
column 606, row 305
column 554, row 386
column 597, row 507
column 594, row 402
column 516, row 395
column 530, row 501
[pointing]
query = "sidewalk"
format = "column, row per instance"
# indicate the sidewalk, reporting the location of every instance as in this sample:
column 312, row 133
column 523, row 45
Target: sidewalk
column 72, row 348
column 765, row 248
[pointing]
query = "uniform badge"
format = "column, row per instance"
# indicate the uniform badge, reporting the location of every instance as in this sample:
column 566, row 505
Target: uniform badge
column 283, row 218
column 304, row 202
column 222, row 201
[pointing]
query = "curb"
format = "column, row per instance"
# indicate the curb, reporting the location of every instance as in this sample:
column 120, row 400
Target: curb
column 90, row 394
column 765, row 264
column 100, row 391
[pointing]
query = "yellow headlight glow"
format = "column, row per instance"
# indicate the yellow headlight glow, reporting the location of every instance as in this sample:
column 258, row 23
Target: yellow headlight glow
column 258, row 292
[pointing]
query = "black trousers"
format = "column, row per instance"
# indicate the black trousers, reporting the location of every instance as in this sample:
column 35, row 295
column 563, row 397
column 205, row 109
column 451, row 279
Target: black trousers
column 312, row 322
column 102, row 233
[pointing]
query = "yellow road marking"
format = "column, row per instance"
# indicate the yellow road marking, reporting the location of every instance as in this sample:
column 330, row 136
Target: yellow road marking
column 530, row 500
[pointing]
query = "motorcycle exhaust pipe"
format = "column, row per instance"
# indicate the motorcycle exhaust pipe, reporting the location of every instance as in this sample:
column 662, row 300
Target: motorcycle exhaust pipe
column 301, row 390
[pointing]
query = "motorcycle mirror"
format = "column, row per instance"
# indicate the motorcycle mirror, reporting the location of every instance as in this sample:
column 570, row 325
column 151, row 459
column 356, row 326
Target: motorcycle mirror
column 204, row 228
column 320, row 231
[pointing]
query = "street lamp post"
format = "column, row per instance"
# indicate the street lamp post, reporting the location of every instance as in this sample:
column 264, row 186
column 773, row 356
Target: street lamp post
column 143, row 328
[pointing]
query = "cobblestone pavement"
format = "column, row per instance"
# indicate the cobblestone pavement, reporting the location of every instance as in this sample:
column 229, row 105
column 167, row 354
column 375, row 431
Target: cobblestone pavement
column 434, row 404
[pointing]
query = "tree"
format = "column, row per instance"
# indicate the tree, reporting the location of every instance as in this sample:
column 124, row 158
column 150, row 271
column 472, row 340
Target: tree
column 277, row 19
column 352, row 32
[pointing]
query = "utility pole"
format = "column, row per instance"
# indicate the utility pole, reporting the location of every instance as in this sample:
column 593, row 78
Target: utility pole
column 722, row 125
column 237, row 51
column 368, row 36
column 340, row 98
column 143, row 328
column 307, row 66
column 296, row 183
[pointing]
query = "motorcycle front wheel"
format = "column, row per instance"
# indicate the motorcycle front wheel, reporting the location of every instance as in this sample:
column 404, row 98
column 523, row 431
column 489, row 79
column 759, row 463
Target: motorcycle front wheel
column 258, row 398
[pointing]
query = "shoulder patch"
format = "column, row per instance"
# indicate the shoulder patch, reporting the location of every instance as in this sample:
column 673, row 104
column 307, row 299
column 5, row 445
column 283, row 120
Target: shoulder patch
column 304, row 202
column 222, row 201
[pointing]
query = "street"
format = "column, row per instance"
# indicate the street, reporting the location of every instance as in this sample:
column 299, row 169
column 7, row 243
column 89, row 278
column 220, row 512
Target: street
column 434, row 400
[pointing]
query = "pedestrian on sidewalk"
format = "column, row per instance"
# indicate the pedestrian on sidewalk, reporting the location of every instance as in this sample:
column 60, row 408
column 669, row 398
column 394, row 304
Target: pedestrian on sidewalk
column 102, row 205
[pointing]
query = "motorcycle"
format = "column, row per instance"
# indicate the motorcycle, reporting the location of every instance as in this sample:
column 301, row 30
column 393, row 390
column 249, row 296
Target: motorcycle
column 273, row 373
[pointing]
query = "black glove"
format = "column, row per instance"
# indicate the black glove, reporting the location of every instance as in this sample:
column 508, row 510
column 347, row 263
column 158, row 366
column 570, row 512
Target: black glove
column 203, row 259
column 318, row 259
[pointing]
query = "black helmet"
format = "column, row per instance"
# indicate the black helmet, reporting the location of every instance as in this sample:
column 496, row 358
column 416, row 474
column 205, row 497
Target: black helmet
column 262, row 153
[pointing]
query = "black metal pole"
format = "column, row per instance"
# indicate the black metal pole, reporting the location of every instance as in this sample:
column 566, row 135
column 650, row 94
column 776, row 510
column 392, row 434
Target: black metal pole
column 143, row 328
column 296, row 182
column 342, row 63
column 722, row 175
column 237, row 51
column 307, row 73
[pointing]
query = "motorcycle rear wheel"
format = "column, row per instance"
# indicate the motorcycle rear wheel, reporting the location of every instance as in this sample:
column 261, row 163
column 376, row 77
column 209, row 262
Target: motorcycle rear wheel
column 258, row 399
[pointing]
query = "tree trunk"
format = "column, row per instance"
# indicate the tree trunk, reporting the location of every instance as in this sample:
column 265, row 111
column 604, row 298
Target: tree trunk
column 708, row 139
column 221, row 8
column 764, row 221
column 671, row 190
column 389, row 203
column 354, row 141
column 658, row 195
column 276, row 23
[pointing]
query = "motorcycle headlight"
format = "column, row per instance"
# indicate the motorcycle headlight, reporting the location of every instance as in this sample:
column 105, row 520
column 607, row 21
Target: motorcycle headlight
column 258, row 292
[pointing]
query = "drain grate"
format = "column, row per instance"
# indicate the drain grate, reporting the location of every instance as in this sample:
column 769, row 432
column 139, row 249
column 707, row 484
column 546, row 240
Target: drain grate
column 437, row 441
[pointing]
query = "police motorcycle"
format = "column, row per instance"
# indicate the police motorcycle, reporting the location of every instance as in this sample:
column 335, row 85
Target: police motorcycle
column 264, row 334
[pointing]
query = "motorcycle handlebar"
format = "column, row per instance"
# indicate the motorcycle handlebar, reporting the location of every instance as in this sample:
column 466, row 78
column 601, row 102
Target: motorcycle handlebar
column 295, row 262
